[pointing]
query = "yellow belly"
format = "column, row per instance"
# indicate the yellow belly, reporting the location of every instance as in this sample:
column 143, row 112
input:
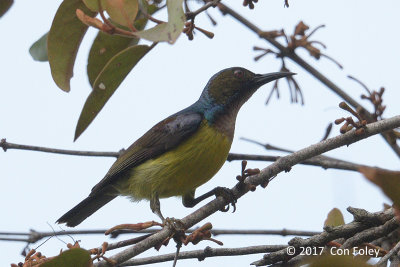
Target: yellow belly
column 182, row 169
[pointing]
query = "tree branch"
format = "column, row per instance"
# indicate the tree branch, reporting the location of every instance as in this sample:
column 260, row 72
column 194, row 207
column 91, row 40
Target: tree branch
column 5, row 145
column 192, row 15
column 207, row 252
column 319, row 161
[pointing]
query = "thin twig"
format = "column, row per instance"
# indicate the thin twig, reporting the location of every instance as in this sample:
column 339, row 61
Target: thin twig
column 6, row 145
column 192, row 15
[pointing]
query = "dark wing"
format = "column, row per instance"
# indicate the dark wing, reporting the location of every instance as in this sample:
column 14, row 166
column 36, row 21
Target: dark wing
column 164, row 136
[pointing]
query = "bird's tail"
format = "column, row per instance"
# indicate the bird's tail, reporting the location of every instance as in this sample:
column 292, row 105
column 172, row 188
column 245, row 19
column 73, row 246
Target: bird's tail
column 85, row 208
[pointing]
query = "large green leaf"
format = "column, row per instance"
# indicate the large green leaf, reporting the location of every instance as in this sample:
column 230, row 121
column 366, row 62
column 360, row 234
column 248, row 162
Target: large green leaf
column 107, row 82
column 65, row 36
column 170, row 31
column 39, row 49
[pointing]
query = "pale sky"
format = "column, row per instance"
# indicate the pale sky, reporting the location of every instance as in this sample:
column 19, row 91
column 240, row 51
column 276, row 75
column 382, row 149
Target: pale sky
column 37, row 188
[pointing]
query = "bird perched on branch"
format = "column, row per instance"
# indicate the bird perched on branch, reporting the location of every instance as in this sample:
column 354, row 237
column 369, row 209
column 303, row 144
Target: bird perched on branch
column 181, row 152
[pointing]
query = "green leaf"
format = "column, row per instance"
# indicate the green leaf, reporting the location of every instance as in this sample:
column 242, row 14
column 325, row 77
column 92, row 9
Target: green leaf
column 77, row 257
column 64, row 39
column 107, row 82
column 388, row 181
column 5, row 6
column 122, row 12
column 105, row 46
column 93, row 4
column 335, row 218
column 39, row 49
column 167, row 32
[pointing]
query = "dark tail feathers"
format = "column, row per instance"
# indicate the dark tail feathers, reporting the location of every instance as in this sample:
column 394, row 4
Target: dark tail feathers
column 85, row 208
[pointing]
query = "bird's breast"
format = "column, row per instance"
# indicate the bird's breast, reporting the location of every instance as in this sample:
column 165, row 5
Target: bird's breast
column 182, row 169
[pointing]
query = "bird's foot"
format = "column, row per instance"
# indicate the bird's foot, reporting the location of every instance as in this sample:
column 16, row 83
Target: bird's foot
column 228, row 195
column 132, row 227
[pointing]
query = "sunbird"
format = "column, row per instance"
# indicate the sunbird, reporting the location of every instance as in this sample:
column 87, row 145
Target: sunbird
column 181, row 152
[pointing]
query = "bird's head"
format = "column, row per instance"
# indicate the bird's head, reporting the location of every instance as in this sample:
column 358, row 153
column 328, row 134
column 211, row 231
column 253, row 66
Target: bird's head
column 232, row 87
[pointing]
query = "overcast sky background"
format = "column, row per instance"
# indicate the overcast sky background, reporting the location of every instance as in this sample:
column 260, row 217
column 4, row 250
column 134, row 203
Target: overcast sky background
column 37, row 188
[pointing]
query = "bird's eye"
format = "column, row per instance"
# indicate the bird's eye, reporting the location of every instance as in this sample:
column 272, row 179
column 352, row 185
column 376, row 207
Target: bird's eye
column 238, row 74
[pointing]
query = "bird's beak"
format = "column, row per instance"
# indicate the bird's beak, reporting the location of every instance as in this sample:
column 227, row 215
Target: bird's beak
column 261, row 79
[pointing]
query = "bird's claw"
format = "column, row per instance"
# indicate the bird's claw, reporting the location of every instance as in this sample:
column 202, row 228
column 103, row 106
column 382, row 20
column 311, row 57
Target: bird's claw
column 228, row 195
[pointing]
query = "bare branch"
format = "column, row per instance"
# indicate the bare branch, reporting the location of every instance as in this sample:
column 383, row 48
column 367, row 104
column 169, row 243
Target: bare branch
column 319, row 161
column 5, row 145
column 192, row 15
column 207, row 252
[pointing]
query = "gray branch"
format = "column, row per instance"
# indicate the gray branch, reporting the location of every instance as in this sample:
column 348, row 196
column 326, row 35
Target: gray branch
column 6, row 145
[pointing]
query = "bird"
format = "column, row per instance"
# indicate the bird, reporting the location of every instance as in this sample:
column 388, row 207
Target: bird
column 181, row 152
